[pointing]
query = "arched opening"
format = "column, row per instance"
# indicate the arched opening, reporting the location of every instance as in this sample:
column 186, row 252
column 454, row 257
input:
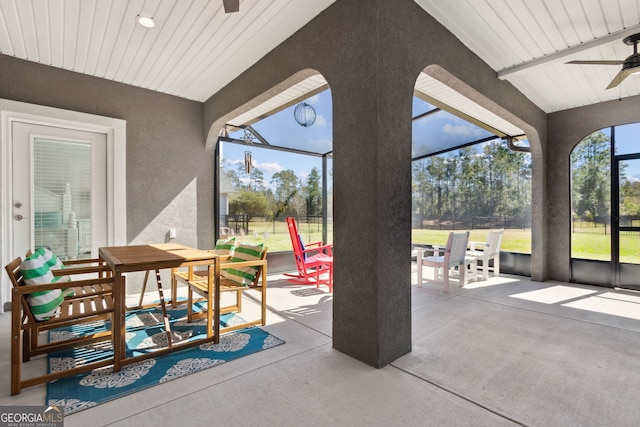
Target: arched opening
column 274, row 161
column 471, row 170
column 605, row 208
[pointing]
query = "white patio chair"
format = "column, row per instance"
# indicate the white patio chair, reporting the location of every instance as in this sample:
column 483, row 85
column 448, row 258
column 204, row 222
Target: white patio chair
column 490, row 254
column 454, row 256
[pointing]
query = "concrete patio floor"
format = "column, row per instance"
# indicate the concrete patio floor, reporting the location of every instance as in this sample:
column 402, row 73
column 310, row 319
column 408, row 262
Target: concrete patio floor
column 504, row 352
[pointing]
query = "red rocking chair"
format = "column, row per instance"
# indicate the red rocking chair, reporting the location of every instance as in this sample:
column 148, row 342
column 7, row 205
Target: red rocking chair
column 314, row 261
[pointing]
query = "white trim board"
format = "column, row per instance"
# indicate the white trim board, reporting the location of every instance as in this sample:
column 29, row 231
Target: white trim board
column 115, row 131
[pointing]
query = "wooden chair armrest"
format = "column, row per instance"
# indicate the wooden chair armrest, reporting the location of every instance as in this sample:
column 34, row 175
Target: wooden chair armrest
column 439, row 248
column 83, row 261
column 252, row 263
column 328, row 248
column 319, row 243
column 100, row 269
column 473, row 245
column 27, row 289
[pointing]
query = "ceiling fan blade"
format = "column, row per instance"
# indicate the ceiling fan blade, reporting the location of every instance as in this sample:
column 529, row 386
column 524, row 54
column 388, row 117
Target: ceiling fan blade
column 605, row 62
column 623, row 74
column 231, row 6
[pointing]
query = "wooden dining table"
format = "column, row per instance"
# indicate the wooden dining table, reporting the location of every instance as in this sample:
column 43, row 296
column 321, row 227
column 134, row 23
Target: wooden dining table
column 153, row 257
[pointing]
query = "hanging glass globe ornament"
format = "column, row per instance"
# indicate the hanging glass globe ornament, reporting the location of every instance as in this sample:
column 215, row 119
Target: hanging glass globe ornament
column 304, row 114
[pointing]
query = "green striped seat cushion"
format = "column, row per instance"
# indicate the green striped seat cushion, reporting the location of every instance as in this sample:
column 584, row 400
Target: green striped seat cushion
column 36, row 270
column 225, row 247
column 244, row 252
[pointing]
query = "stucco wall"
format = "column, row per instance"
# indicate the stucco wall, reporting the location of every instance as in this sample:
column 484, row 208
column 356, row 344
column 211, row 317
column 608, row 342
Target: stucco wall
column 566, row 129
column 371, row 55
column 169, row 174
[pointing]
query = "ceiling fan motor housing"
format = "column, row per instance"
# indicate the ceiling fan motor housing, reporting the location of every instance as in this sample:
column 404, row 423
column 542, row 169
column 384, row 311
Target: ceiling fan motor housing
column 632, row 62
column 632, row 39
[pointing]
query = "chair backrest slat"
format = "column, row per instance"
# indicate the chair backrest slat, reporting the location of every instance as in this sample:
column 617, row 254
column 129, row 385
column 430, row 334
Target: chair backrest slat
column 457, row 248
column 258, row 274
column 17, row 280
column 493, row 242
column 295, row 242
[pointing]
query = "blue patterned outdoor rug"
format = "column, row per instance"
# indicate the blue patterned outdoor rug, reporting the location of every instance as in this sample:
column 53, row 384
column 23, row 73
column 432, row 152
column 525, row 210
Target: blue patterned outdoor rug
column 101, row 385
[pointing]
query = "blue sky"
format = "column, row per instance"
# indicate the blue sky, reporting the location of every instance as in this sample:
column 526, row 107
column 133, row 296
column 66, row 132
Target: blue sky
column 282, row 129
column 628, row 141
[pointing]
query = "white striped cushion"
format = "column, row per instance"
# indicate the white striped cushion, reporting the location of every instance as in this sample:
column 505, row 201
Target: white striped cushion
column 225, row 247
column 36, row 270
column 245, row 252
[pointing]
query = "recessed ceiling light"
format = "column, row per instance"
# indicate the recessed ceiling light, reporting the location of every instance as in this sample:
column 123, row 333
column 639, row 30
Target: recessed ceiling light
column 145, row 21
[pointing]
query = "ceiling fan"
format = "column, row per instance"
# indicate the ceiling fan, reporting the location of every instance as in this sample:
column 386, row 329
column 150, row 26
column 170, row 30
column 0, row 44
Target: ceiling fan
column 231, row 6
column 630, row 66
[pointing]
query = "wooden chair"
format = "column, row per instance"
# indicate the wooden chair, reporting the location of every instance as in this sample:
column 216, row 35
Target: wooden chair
column 201, row 282
column 92, row 301
column 454, row 256
column 312, row 259
column 490, row 255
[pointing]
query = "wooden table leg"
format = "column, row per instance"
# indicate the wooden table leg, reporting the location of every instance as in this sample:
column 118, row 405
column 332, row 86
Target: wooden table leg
column 264, row 295
column 216, row 299
column 165, row 316
column 118, row 331
column 144, row 287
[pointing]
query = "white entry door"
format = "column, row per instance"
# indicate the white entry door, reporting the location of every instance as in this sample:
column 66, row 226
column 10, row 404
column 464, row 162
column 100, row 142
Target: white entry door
column 59, row 190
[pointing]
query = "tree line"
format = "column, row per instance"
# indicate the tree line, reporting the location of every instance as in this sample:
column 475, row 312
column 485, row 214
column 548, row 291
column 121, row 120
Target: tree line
column 487, row 180
column 287, row 195
column 591, row 181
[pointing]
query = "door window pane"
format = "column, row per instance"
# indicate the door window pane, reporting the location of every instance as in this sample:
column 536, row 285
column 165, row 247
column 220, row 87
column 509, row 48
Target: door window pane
column 630, row 210
column 62, row 197
column 627, row 139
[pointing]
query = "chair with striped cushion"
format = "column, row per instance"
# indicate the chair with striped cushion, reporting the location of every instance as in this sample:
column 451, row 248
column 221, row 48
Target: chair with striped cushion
column 41, row 301
column 182, row 275
column 246, row 269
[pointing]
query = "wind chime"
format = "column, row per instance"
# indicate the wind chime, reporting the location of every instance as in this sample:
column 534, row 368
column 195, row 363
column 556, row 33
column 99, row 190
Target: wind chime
column 248, row 161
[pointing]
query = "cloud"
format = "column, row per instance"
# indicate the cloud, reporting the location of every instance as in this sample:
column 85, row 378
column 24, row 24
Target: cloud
column 460, row 130
column 423, row 121
column 634, row 177
column 313, row 100
column 269, row 167
column 320, row 121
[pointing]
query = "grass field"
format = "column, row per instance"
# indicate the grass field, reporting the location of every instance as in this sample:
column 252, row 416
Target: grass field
column 275, row 235
column 583, row 245
column 512, row 241
column 598, row 247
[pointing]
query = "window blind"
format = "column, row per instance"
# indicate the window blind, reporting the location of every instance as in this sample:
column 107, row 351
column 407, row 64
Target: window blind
column 62, row 196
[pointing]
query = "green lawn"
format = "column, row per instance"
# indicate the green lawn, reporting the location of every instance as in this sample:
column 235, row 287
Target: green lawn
column 513, row 240
column 583, row 245
column 275, row 235
column 598, row 247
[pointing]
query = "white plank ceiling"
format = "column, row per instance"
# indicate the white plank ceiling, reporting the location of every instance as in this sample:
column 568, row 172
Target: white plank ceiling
column 528, row 43
column 196, row 48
